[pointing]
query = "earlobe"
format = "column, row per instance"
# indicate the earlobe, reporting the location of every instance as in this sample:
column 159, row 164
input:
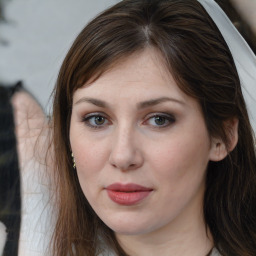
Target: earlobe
column 219, row 150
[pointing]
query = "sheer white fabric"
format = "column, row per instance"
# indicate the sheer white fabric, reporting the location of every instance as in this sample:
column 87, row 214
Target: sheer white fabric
column 243, row 56
column 3, row 236
column 33, row 141
column 215, row 253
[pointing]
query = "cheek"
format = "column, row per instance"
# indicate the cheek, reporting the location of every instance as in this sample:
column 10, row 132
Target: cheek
column 90, row 157
column 88, row 165
column 181, row 161
column 179, row 173
column 88, row 152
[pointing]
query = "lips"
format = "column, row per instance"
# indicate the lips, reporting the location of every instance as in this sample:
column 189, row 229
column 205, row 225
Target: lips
column 127, row 194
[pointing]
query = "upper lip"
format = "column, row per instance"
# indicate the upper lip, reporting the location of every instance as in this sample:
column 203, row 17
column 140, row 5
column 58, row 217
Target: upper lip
column 130, row 187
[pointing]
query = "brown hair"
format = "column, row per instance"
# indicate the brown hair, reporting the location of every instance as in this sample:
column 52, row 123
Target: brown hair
column 201, row 63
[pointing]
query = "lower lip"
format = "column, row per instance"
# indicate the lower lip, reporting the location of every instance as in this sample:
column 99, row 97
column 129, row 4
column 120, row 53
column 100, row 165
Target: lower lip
column 127, row 198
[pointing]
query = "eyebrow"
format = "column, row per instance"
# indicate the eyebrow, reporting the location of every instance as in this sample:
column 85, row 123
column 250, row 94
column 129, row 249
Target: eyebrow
column 96, row 102
column 153, row 102
column 141, row 105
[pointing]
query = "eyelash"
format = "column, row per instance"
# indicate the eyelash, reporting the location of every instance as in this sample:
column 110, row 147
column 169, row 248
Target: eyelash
column 86, row 119
column 170, row 119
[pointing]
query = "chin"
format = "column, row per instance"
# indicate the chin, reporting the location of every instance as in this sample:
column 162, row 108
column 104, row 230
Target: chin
column 129, row 231
column 126, row 226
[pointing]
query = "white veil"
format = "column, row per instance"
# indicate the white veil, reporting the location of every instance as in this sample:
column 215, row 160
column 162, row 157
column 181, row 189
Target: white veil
column 243, row 56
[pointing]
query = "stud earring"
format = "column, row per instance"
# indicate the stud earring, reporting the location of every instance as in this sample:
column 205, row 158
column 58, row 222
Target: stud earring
column 73, row 160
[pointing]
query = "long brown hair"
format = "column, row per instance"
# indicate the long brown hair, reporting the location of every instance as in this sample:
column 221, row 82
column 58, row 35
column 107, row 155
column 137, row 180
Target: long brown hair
column 201, row 63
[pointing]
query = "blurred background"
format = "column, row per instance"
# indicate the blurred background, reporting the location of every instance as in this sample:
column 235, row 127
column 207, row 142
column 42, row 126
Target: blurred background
column 35, row 35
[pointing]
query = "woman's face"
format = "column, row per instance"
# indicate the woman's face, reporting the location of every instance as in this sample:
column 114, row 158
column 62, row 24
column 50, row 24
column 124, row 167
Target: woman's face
column 141, row 147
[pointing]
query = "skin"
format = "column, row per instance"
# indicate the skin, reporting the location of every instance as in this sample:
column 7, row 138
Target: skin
column 131, row 147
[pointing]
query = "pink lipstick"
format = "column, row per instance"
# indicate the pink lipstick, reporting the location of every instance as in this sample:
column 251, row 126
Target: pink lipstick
column 127, row 194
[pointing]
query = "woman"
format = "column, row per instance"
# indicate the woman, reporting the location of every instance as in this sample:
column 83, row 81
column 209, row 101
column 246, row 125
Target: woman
column 154, row 148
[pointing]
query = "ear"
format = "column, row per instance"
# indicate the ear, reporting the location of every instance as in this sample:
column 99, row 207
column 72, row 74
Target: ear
column 219, row 150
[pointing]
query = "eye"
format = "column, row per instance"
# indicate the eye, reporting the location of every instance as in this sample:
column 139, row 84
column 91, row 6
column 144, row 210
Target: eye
column 95, row 121
column 160, row 120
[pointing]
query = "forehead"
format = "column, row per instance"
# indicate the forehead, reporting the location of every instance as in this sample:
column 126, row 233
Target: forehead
column 146, row 70
column 142, row 58
column 139, row 78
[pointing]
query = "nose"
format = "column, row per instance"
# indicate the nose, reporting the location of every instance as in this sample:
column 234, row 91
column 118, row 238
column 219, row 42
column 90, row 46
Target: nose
column 126, row 153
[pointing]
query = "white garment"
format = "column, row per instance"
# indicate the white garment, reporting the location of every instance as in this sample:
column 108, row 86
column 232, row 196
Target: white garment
column 36, row 213
column 3, row 236
column 215, row 252
column 36, row 223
